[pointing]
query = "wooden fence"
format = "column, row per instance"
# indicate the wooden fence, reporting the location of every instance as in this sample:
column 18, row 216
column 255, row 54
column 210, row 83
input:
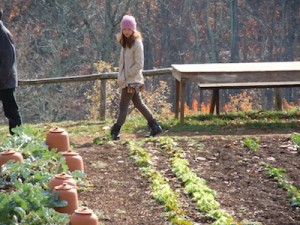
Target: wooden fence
column 100, row 76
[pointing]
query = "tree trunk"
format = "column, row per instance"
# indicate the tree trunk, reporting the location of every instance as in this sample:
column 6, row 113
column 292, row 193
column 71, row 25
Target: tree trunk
column 234, row 32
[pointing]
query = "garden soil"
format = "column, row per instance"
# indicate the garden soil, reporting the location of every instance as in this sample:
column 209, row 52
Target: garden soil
column 120, row 195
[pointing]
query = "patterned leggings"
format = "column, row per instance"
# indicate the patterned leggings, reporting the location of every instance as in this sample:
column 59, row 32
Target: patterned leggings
column 137, row 102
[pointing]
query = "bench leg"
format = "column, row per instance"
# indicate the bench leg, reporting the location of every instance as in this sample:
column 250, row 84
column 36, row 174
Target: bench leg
column 278, row 99
column 212, row 104
column 217, row 94
column 215, row 102
column 177, row 94
column 182, row 100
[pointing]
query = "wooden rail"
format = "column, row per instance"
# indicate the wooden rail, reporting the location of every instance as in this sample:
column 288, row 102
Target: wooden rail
column 91, row 77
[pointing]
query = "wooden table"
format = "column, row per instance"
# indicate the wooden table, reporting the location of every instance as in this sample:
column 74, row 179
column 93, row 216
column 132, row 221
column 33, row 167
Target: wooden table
column 271, row 74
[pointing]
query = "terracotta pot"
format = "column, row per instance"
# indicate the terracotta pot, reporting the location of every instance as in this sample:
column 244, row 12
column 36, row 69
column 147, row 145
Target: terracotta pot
column 10, row 155
column 73, row 160
column 58, row 138
column 84, row 216
column 69, row 194
column 61, row 178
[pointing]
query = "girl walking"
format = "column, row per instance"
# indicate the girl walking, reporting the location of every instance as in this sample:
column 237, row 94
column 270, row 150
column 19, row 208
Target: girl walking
column 130, row 77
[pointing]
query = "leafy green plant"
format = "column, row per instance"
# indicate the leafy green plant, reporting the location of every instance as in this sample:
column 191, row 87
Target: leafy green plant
column 279, row 174
column 27, row 198
column 251, row 143
column 295, row 137
column 33, row 200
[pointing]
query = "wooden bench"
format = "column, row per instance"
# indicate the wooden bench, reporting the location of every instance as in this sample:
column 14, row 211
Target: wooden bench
column 218, row 76
column 215, row 100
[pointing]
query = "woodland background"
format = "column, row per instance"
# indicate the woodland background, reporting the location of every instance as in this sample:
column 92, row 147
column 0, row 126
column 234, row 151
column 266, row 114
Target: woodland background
column 60, row 38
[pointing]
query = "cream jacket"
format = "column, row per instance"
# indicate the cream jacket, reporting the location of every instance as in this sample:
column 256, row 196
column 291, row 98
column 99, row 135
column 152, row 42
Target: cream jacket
column 131, row 65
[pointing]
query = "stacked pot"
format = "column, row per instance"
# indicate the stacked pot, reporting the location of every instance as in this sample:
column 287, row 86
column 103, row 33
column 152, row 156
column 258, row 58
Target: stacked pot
column 84, row 216
column 58, row 138
column 10, row 154
column 68, row 193
column 63, row 184
column 60, row 179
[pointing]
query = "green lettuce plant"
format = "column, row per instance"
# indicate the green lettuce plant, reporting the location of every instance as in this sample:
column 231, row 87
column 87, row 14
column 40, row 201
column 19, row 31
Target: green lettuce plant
column 251, row 143
column 295, row 137
column 280, row 175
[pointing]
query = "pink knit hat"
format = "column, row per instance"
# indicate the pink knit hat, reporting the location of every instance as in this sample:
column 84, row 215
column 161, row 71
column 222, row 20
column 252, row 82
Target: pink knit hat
column 128, row 22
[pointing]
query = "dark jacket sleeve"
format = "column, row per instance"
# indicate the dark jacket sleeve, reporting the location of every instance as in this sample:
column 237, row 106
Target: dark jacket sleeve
column 7, row 58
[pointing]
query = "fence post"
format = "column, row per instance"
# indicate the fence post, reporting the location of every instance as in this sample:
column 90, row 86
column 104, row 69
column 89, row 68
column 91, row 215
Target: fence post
column 103, row 100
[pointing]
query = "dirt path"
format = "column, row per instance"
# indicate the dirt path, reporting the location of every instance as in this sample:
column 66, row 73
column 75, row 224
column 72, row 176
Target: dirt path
column 119, row 194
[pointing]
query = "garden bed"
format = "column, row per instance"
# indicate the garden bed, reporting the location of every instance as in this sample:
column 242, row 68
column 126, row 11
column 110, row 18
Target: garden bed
column 121, row 195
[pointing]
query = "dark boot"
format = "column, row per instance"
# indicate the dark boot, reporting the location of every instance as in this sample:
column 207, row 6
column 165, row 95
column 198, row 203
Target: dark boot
column 155, row 128
column 115, row 130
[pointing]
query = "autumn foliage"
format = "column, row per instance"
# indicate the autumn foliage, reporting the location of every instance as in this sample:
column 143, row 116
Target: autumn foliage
column 67, row 38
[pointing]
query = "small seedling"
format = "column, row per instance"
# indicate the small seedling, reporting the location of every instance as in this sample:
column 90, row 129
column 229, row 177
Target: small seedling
column 295, row 137
column 252, row 144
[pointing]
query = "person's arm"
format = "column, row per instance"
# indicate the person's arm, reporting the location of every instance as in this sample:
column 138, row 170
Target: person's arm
column 7, row 56
column 121, row 60
column 138, row 59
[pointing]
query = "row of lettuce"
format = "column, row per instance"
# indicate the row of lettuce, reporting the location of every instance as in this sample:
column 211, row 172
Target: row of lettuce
column 195, row 187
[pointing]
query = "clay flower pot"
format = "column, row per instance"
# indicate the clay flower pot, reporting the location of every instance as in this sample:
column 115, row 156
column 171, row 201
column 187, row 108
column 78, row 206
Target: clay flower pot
column 10, row 155
column 84, row 216
column 58, row 138
column 61, row 178
column 74, row 161
column 69, row 194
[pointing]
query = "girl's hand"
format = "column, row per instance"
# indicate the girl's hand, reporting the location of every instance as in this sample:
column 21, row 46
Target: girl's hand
column 142, row 87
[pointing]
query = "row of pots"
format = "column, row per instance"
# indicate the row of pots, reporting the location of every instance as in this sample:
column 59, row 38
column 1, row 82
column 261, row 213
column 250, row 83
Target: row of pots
column 63, row 184
column 58, row 138
column 73, row 159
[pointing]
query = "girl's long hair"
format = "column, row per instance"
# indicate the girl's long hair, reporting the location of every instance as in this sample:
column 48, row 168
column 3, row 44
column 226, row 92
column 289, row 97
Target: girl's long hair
column 128, row 42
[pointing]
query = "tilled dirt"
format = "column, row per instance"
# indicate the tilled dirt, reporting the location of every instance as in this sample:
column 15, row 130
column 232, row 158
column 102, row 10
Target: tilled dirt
column 120, row 195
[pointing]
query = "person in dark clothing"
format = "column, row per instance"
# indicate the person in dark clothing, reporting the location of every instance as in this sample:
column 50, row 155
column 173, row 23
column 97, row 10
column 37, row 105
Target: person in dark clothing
column 8, row 77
